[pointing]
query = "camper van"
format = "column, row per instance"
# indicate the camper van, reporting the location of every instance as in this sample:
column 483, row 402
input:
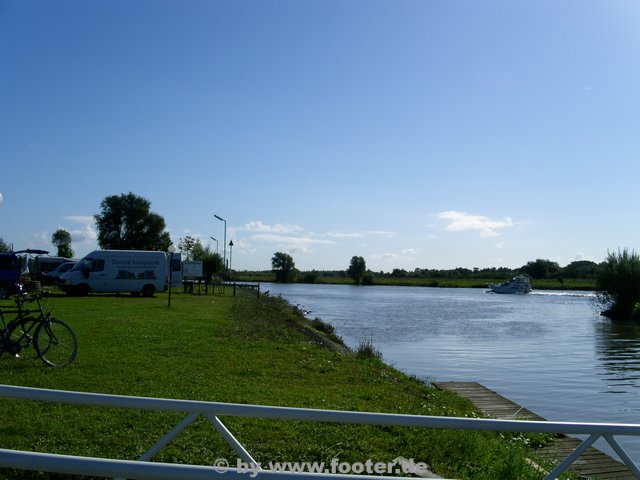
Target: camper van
column 14, row 268
column 115, row 271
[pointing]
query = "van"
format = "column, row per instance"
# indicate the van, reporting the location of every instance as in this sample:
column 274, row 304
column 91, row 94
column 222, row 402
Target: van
column 117, row 271
column 54, row 275
column 41, row 265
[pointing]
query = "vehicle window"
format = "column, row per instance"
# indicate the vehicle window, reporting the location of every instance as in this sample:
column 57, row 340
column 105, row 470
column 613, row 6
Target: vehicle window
column 83, row 264
column 7, row 262
column 97, row 265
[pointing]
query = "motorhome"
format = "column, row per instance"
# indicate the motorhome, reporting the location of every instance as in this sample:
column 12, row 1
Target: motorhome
column 41, row 265
column 118, row 271
column 14, row 270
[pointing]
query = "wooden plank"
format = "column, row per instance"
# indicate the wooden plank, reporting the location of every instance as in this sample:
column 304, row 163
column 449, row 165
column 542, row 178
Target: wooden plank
column 592, row 463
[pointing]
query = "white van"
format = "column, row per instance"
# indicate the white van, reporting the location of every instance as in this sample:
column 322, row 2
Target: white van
column 115, row 271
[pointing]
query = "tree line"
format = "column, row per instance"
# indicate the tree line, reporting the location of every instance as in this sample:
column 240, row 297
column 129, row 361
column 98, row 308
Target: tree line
column 283, row 267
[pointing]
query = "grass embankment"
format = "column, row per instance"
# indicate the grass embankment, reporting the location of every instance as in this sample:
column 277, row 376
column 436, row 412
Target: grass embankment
column 441, row 282
column 241, row 350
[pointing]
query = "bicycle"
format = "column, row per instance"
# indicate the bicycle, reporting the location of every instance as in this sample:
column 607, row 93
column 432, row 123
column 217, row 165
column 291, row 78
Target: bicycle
column 53, row 340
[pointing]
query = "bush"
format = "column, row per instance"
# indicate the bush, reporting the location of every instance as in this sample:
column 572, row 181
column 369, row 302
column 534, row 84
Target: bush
column 310, row 277
column 367, row 350
column 618, row 285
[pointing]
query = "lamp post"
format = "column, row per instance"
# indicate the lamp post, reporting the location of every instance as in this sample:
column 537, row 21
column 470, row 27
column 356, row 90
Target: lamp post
column 224, row 247
column 171, row 251
column 216, row 243
column 230, row 254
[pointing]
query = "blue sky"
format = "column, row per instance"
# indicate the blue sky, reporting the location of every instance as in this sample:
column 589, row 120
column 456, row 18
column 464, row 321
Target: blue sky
column 416, row 134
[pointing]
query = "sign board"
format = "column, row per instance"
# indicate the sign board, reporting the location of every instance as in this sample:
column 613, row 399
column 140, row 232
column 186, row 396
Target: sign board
column 192, row 269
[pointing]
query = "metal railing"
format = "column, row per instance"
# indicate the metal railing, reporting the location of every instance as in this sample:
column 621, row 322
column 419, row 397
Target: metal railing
column 143, row 468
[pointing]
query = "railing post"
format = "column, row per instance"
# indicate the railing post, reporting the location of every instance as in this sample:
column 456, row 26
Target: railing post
column 572, row 457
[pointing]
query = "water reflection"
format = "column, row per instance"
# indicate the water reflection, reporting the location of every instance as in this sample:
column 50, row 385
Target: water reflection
column 617, row 346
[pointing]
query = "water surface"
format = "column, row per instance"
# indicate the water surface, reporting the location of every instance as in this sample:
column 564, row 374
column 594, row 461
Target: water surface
column 549, row 351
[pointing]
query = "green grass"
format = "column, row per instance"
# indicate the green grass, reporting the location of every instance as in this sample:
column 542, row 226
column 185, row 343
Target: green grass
column 240, row 350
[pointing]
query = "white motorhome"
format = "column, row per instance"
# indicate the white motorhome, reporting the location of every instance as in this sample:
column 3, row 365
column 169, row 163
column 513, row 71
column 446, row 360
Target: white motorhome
column 115, row 271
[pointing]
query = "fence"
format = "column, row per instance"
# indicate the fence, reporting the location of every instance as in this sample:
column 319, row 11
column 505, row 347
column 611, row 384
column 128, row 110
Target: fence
column 144, row 469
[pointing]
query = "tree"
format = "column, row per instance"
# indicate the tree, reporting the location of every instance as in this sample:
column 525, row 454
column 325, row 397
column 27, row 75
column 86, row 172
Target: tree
column 212, row 263
column 283, row 266
column 357, row 269
column 541, row 268
column 186, row 246
column 61, row 239
column 618, row 285
column 127, row 223
column 580, row 269
column 4, row 246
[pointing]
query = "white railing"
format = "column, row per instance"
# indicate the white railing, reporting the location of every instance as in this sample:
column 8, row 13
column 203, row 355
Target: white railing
column 143, row 468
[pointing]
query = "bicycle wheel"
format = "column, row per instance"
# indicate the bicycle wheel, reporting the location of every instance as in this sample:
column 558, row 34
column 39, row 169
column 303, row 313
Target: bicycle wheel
column 55, row 342
column 22, row 332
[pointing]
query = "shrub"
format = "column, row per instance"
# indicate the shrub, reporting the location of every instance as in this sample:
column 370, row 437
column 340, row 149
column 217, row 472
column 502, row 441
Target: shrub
column 367, row 350
column 322, row 326
column 368, row 279
column 618, row 285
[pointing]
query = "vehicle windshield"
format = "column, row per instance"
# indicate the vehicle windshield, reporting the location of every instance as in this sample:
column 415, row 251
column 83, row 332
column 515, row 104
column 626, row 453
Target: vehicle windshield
column 83, row 264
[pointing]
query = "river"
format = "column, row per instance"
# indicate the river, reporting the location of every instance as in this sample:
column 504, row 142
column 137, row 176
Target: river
column 549, row 351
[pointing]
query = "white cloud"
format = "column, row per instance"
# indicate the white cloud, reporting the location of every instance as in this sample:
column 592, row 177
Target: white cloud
column 370, row 233
column 405, row 254
column 258, row 226
column 344, row 235
column 462, row 221
column 582, row 256
column 382, row 233
column 86, row 233
column 39, row 238
column 385, row 256
column 294, row 244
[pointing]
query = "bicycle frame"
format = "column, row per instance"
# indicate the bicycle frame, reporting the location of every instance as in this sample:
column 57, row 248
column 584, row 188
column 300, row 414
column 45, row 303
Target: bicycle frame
column 14, row 346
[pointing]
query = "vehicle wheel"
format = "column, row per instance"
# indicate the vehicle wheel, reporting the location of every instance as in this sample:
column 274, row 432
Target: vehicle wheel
column 23, row 333
column 83, row 290
column 148, row 290
column 55, row 342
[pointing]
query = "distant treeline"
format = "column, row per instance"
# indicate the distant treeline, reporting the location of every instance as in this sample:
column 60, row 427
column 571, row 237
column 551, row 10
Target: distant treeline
column 537, row 269
column 547, row 273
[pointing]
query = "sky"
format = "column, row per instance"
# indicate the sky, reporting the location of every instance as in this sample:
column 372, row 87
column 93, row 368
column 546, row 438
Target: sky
column 413, row 133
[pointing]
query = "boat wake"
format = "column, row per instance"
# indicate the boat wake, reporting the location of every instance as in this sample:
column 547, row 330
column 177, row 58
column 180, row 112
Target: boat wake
column 562, row 293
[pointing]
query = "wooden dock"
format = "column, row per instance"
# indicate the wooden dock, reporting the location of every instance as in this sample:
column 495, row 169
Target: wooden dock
column 592, row 464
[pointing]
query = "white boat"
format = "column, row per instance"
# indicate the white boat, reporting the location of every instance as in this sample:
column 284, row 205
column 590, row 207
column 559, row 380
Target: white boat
column 520, row 284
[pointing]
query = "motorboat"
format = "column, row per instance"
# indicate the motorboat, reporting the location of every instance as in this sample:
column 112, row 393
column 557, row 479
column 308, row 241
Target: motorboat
column 519, row 285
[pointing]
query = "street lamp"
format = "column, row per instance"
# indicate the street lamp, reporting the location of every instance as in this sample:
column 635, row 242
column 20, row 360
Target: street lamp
column 171, row 251
column 224, row 246
column 216, row 243
column 230, row 254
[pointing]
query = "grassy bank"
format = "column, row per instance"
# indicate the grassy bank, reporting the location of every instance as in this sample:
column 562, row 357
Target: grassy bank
column 240, row 350
column 444, row 282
